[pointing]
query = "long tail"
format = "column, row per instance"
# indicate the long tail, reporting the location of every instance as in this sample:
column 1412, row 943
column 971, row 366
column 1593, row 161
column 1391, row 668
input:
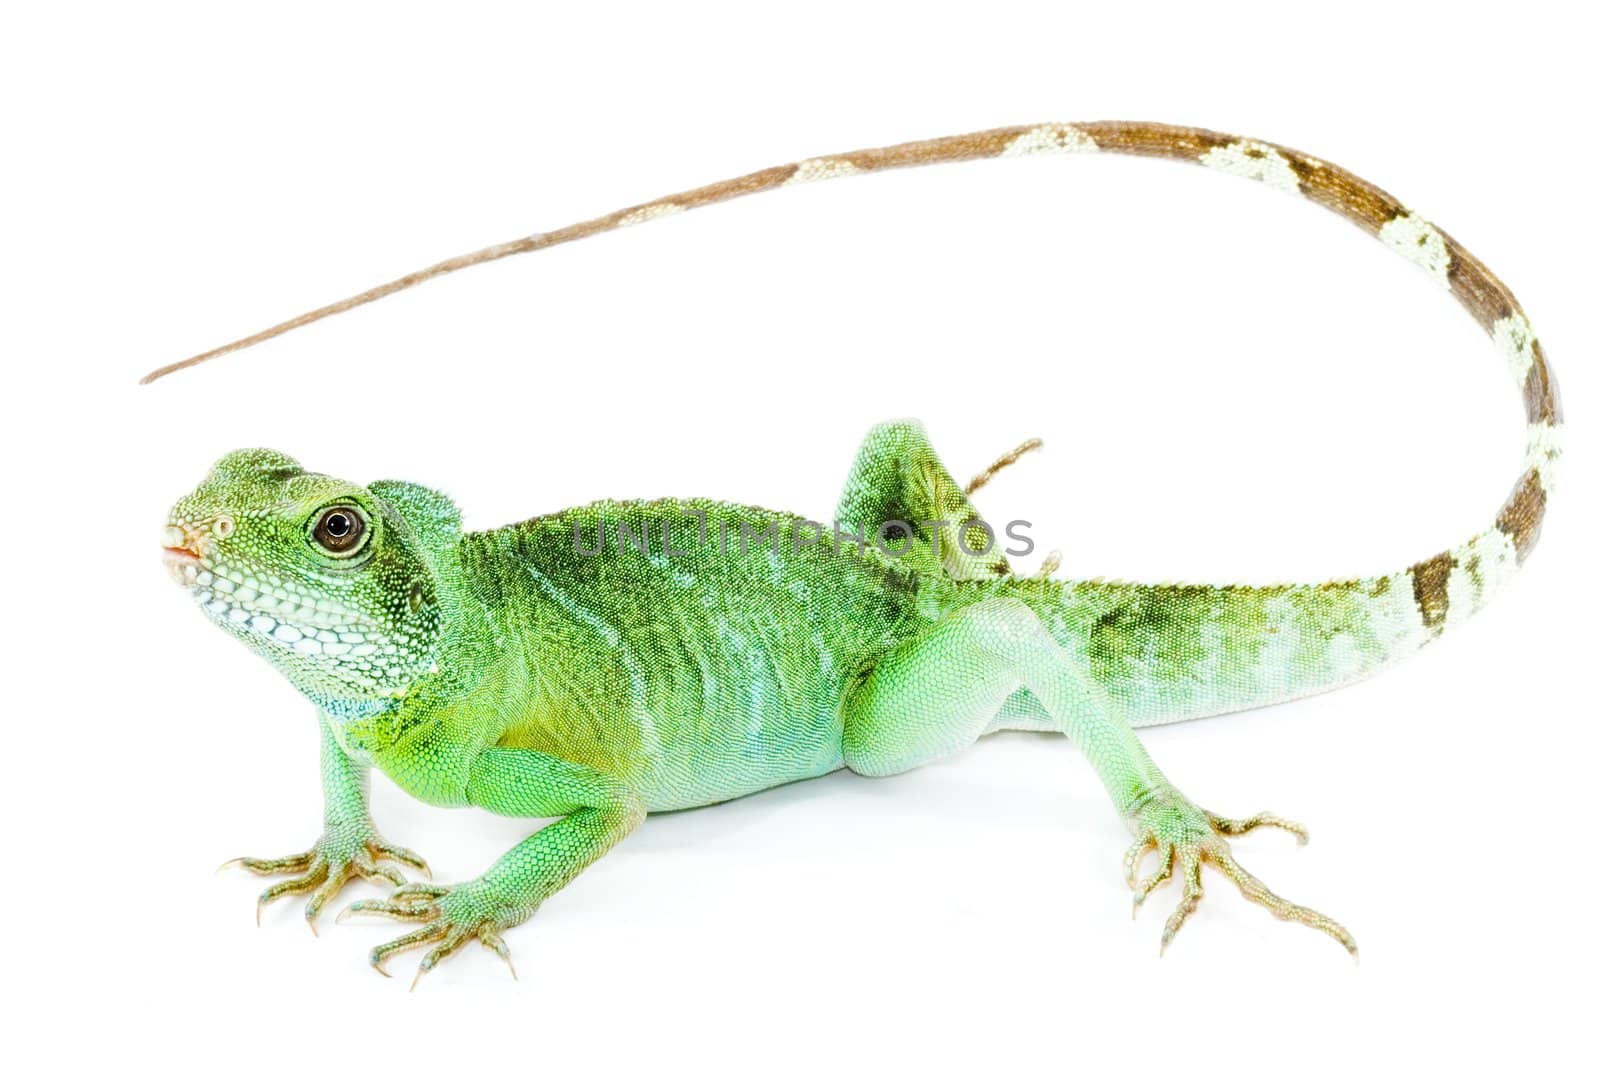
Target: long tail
column 1204, row 649
column 1364, row 204
column 1185, row 651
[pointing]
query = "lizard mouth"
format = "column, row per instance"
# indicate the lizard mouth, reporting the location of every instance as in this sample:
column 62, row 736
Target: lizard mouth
column 182, row 564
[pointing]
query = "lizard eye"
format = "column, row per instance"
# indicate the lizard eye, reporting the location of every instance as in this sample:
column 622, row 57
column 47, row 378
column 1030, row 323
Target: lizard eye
column 341, row 530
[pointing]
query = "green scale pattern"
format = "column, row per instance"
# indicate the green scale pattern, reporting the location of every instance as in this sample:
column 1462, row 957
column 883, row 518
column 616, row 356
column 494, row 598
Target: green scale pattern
column 540, row 671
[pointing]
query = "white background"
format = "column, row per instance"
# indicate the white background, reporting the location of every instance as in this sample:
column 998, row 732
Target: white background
column 1232, row 385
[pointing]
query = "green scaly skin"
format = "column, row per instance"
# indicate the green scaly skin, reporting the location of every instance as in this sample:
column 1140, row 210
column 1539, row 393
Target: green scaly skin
column 515, row 671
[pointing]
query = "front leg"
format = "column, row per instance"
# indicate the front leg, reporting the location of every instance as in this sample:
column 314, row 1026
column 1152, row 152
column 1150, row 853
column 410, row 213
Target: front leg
column 348, row 848
column 598, row 811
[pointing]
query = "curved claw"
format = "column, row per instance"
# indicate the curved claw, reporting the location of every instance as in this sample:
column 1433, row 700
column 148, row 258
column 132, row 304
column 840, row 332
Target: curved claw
column 377, row 872
column 1193, row 893
column 1189, row 838
column 1256, row 891
column 339, row 856
column 496, row 944
column 383, row 850
column 419, row 891
column 449, row 924
column 373, row 906
column 304, row 884
column 1238, row 827
column 1162, row 872
column 319, row 900
column 1215, row 851
column 432, row 932
column 1133, row 857
column 453, row 941
column 299, row 863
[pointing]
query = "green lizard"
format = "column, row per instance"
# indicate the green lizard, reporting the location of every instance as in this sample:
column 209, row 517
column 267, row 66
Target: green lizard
column 622, row 658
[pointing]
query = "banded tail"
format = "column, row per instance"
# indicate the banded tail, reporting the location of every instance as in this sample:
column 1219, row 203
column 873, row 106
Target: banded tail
column 1179, row 652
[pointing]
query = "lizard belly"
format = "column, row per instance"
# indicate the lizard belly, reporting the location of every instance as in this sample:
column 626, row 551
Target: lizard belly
column 694, row 716
column 724, row 751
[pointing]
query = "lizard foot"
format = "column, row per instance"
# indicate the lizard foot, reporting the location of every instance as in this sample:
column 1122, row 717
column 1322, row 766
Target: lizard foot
column 451, row 917
column 1186, row 838
column 343, row 852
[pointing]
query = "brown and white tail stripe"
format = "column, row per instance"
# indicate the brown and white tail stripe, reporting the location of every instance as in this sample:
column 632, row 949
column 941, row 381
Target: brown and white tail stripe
column 1444, row 584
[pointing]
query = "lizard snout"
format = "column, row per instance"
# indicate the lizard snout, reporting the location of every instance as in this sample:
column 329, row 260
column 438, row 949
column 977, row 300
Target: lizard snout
column 181, row 552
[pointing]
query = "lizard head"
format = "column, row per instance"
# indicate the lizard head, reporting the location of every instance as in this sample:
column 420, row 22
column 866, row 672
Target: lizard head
column 337, row 584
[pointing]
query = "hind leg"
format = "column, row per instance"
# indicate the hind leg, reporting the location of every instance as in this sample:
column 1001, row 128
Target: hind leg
column 897, row 477
column 936, row 693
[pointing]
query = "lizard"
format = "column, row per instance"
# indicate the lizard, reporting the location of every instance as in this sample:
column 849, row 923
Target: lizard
column 601, row 663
